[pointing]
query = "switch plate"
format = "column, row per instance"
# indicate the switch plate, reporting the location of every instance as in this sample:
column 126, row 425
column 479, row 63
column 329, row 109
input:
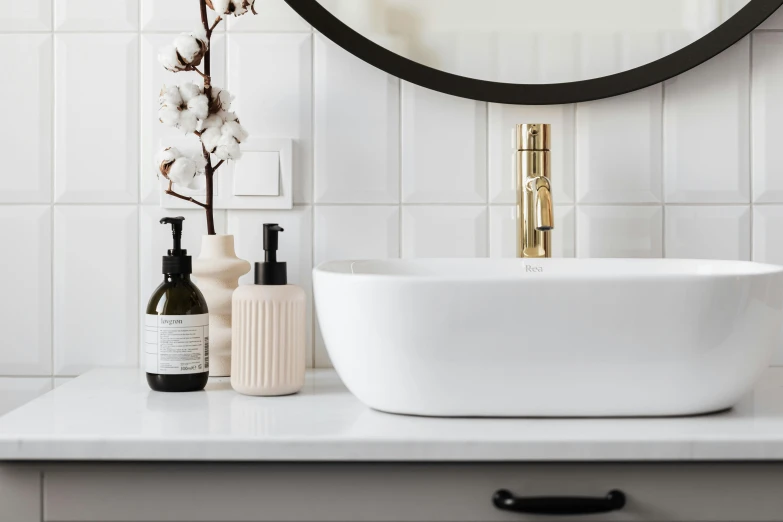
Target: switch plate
column 240, row 184
column 257, row 174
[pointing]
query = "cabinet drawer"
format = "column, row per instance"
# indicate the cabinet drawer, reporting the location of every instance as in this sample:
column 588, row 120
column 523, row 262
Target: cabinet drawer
column 403, row 492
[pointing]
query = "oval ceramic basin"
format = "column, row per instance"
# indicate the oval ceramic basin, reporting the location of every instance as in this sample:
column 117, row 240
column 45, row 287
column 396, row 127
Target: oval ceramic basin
column 549, row 337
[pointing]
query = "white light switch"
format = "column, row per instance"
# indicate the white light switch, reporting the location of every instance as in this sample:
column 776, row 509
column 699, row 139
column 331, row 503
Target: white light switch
column 263, row 178
column 257, row 174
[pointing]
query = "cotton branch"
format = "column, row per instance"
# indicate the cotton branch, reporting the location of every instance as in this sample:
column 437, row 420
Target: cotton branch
column 195, row 69
column 193, row 109
column 214, row 24
column 170, row 192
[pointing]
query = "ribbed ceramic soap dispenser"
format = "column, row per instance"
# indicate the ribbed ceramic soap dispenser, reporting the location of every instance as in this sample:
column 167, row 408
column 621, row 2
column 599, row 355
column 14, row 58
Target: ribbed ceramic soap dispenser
column 268, row 330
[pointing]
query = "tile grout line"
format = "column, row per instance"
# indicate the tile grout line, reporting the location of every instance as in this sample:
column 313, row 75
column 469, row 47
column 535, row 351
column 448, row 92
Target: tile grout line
column 751, row 217
column 575, row 144
column 662, row 135
column 399, row 168
column 313, row 319
column 486, row 179
column 415, row 204
column 52, row 181
column 139, row 172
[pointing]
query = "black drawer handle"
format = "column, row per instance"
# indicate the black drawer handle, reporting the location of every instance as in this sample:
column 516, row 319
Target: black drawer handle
column 505, row 500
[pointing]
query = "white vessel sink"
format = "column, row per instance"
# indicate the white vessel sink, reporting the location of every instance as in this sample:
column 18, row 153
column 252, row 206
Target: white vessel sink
column 549, row 337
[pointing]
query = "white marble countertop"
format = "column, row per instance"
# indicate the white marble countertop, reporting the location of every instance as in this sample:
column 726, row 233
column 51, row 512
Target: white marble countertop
column 110, row 414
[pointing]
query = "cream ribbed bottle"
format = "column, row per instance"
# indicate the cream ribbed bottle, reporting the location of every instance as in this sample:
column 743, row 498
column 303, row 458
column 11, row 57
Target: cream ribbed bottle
column 268, row 329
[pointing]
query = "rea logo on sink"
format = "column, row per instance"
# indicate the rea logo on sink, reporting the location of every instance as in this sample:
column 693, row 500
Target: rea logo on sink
column 532, row 268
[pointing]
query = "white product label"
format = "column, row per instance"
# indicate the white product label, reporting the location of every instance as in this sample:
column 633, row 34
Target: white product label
column 176, row 344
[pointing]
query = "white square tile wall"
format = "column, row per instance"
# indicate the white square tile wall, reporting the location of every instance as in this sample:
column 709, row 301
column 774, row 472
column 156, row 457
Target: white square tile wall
column 26, row 283
column 357, row 129
column 383, row 168
column 767, row 116
column 444, row 148
column 708, row 232
column 28, row 169
column 619, row 231
column 706, row 123
column 444, row 231
column 96, row 115
column 96, row 15
column 35, row 15
column 618, row 148
column 96, row 308
column 169, row 15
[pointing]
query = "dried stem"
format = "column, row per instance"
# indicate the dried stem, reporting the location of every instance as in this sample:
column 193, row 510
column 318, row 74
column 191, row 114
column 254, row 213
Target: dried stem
column 207, row 75
column 214, row 24
column 195, row 69
column 209, row 170
column 170, row 192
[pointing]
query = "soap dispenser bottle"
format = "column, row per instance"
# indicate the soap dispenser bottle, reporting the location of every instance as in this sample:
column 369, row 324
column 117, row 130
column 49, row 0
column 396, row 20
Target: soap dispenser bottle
column 176, row 327
column 268, row 328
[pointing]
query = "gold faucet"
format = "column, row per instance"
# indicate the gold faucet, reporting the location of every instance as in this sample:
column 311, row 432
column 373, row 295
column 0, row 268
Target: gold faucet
column 534, row 191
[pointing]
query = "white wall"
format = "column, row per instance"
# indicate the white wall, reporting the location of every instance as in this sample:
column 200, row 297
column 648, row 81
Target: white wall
column 383, row 168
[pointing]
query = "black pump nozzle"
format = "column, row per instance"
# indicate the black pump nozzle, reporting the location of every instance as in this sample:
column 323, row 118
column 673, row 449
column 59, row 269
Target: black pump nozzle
column 271, row 272
column 270, row 241
column 178, row 261
column 176, row 231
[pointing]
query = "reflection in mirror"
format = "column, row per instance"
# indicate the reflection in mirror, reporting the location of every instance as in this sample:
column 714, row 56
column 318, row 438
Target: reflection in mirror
column 533, row 42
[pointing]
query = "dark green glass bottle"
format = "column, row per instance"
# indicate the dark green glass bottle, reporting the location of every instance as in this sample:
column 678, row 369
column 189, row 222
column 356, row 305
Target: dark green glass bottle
column 176, row 326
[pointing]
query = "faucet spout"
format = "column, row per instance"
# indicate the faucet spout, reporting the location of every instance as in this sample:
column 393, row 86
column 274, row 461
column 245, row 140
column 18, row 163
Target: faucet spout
column 542, row 197
column 535, row 210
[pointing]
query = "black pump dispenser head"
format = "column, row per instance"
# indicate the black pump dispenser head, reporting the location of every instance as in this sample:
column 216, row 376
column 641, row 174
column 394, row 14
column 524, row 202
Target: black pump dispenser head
column 178, row 261
column 271, row 272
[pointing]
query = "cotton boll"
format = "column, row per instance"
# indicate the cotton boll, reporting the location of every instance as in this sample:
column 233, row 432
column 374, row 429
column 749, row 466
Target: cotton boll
column 188, row 91
column 199, row 106
column 189, row 49
column 230, row 116
column 170, row 96
column 222, row 99
column 210, row 138
column 187, row 122
column 169, row 116
column 168, row 58
column 165, row 158
column 249, row 4
column 234, row 129
column 167, row 155
column 199, row 182
column 200, row 34
column 221, row 6
column 228, row 148
column 201, row 164
column 182, row 171
column 213, row 120
column 239, row 7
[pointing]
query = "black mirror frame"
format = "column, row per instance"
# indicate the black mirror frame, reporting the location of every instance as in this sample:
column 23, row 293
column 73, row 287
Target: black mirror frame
column 710, row 45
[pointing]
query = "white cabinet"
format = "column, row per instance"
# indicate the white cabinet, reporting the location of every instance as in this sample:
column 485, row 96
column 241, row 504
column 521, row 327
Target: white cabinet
column 165, row 492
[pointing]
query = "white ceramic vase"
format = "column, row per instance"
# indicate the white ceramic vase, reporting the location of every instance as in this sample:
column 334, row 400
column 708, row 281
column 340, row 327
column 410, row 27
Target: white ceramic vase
column 217, row 271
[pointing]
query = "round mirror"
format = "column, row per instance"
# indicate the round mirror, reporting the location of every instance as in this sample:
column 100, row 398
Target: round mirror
column 535, row 52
